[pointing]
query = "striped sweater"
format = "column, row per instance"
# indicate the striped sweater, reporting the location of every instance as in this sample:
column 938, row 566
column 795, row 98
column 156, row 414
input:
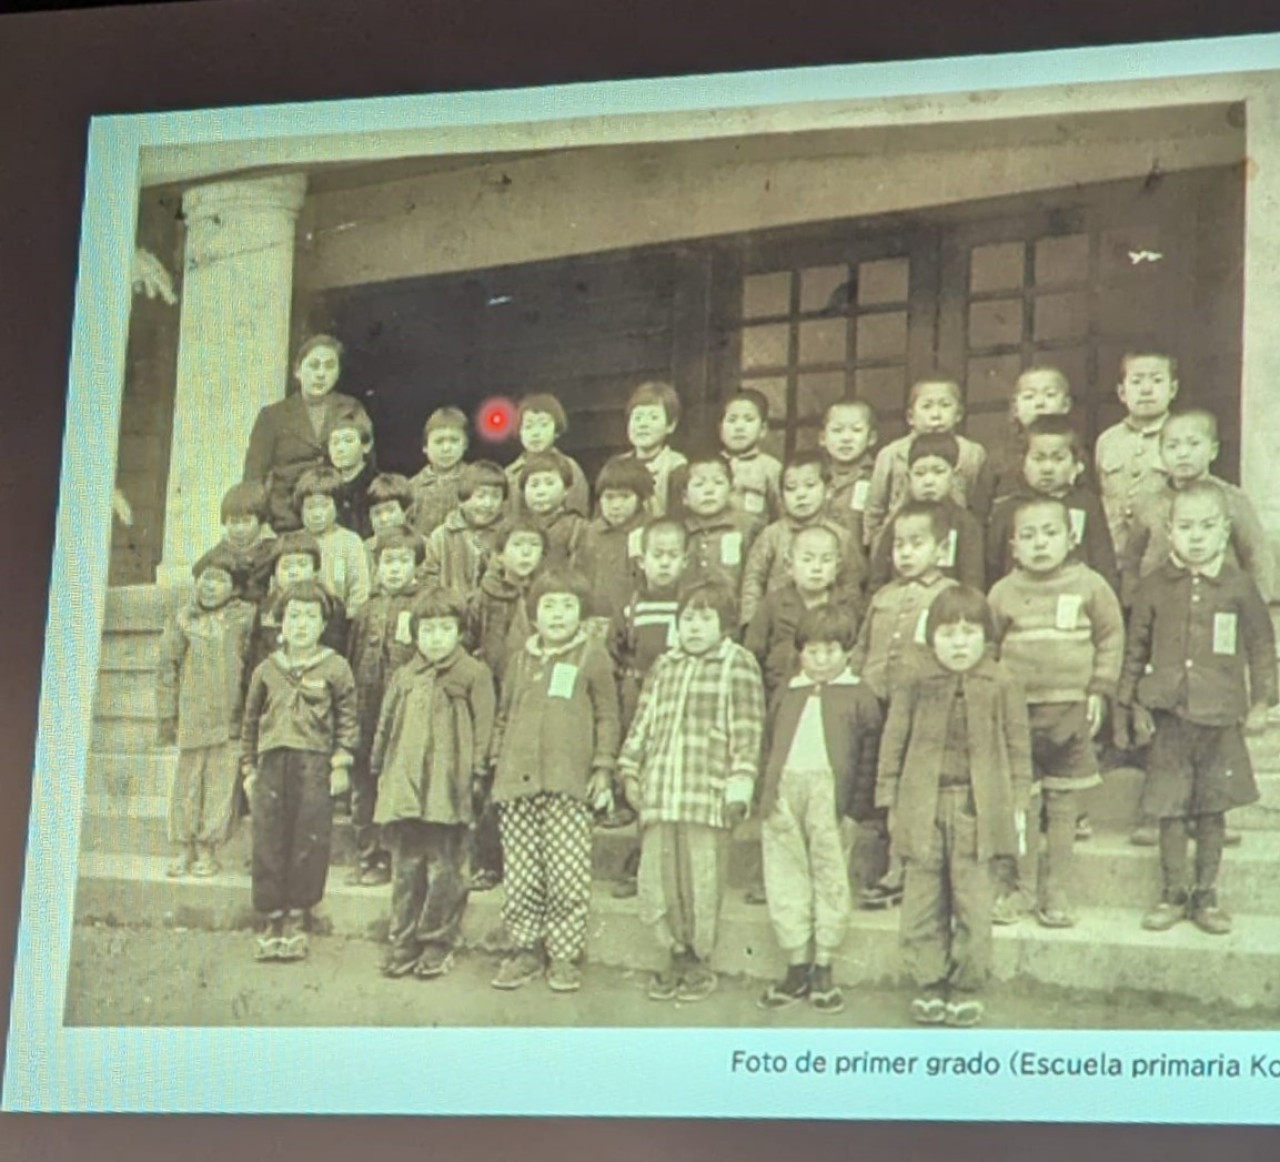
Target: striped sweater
column 1061, row 636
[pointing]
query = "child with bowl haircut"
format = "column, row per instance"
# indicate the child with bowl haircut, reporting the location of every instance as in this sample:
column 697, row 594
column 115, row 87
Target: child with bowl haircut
column 1199, row 673
column 299, row 734
column 848, row 438
column 1061, row 637
column 755, row 477
column 804, row 498
column 431, row 744
column 544, row 481
column 554, row 747
column 344, row 565
column 825, row 732
column 199, row 699
column 458, row 549
column 543, row 422
column 388, row 501
column 933, row 406
column 1052, row 467
column 380, row 640
column 931, row 469
column 688, row 766
column 349, row 442
column 612, row 545
column 653, row 413
column 954, row 773
column 435, row 488
column 247, row 538
column 719, row 533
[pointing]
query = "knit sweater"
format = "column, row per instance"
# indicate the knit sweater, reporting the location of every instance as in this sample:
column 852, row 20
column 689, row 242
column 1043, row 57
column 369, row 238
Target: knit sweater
column 1061, row 636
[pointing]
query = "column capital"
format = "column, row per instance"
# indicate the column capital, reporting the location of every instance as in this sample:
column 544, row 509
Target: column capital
column 283, row 193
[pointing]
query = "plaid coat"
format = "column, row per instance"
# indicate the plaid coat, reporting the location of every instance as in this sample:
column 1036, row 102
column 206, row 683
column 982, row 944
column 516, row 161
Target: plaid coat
column 697, row 735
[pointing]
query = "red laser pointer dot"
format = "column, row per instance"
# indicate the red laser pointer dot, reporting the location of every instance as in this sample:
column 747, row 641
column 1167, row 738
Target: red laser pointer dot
column 495, row 419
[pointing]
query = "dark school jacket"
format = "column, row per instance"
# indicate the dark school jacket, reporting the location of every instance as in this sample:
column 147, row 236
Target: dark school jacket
column 1088, row 522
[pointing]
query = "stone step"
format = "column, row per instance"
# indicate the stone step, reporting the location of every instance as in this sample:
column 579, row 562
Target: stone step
column 134, row 736
column 122, row 775
column 125, row 694
column 142, row 608
column 129, row 651
column 1107, row 951
column 1115, row 802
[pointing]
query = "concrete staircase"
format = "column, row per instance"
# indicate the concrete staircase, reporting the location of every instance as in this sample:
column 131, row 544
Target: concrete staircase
column 124, row 854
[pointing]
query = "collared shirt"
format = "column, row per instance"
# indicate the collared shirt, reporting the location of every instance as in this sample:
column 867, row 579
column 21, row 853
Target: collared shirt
column 757, row 484
column 1129, row 467
column 891, row 641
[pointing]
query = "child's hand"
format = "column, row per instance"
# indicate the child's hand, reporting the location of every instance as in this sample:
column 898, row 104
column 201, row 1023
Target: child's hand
column 1122, row 728
column 1144, row 726
column 1020, row 824
column 480, row 784
column 1255, row 722
column 1095, row 711
column 631, row 791
column 339, row 780
column 735, row 812
column 250, row 772
column 600, row 792
column 891, row 821
column 167, row 732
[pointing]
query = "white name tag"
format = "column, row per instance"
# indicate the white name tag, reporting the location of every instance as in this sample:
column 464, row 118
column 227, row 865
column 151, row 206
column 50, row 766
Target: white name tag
column 1068, row 610
column 922, row 628
column 948, row 559
column 858, row 497
column 731, row 548
column 1225, row 632
column 1077, row 516
column 635, row 543
column 563, row 676
column 753, row 502
column 404, row 628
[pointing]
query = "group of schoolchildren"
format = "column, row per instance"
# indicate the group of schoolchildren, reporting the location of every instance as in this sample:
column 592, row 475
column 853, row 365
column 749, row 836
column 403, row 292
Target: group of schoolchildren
column 899, row 658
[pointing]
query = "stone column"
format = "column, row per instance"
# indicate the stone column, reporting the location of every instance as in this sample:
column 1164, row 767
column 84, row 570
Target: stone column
column 233, row 351
column 1260, row 386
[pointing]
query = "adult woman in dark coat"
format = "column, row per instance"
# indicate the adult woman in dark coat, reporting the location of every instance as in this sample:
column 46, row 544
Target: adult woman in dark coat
column 290, row 436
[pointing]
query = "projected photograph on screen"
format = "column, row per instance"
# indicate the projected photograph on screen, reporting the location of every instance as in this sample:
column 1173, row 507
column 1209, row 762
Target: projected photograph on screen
column 748, row 555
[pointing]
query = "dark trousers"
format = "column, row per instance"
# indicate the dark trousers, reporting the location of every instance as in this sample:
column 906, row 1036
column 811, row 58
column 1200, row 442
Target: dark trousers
column 292, row 826
column 364, row 798
column 1174, row 842
column 946, row 903
column 428, row 882
column 486, row 844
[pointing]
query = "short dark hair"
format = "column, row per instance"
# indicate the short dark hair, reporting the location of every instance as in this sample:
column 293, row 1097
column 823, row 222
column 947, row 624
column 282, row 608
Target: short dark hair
column 479, row 473
column 655, row 393
column 310, row 344
column 400, row 538
column 1042, row 369
column 1198, row 488
column 560, row 581
column 322, row 481
column 1147, row 353
column 942, row 445
column 519, row 525
column 387, row 487
column 310, row 592
column 445, row 417
column 1203, row 415
column 860, row 404
column 960, row 603
column 827, row 623
column 220, row 557
column 706, row 457
column 663, row 524
column 1030, row 502
column 248, row 498
column 819, row 527
column 929, row 381
column 757, row 399
column 807, row 458
column 710, row 592
column 299, row 543
column 545, row 402
column 1063, row 426
column 625, row 474
column 547, row 462
column 436, row 601
column 937, row 516
column 350, row 416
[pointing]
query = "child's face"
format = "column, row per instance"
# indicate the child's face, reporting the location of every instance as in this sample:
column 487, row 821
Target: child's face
column 847, row 434
column 537, row 431
column 1050, row 465
column 618, row 505
column 1198, row 528
column 318, row 372
column 648, row 427
column 318, row 514
column 959, row 646
column 386, row 515
column 699, row 629
column 929, row 479
column 815, row 559
column 558, row 617
column 1041, row 539
column 294, row 567
column 444, row 448
column 522, row 554
column 241, row 531
column 543, row 492
column 936, row 408
column 437, row 637
column 396, row 568
column 663, row 559
column 708, row 489
column 1147, row 388
column 915, row 547
column 804, row 492
column 1040, row 393
column 823, row 661
column 741, row 427
column 346, row 450
column 302, row 624
column 483, row 506
column 1187, row 448
column 214, row 588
